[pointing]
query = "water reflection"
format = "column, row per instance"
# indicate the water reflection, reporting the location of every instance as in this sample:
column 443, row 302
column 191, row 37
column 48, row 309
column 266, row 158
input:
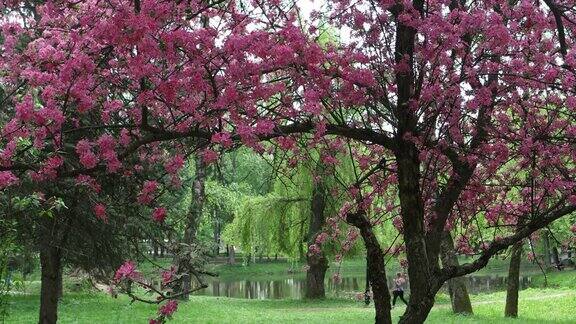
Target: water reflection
column 293, row 288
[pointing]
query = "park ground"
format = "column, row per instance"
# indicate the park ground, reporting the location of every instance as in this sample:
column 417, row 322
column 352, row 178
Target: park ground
column 553, row 304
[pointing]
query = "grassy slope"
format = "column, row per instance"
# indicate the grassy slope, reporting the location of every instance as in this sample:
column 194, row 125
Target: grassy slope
column 565, row 279
column 536, row 306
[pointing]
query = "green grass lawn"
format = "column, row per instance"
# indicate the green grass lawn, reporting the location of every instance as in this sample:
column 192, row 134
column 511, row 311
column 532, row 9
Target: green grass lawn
column 564, row 279
column 536, row 306
column 556, row 304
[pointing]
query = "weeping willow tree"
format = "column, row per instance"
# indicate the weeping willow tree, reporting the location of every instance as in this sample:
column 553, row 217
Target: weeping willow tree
column 277, row 222
column 274, row 223
column 220, row 204
column 288, row 219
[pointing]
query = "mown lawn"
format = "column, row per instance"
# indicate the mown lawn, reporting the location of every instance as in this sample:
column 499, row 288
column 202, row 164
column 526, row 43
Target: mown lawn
column 536, row 306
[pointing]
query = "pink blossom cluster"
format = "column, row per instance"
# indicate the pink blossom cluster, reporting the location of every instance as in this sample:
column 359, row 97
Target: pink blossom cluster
column 100, row 212
column 148, row 191
column 49, row 169
column 321, row 238
column 175, row 164
column 209, row 156
column 463, row 245
column 169, row 308
column 168, row 275
column 314, row 249
column 127, row 271
column 107, row 146
column 88, row 181
column 159, row 214
column 7, row 179
column 87, row 157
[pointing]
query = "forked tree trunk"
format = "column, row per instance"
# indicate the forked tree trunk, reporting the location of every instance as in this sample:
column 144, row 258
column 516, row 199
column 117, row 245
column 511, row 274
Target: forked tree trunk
column 51, row 284
column 511, row 309
column 422, row 292
column 376, row 268
column 317, row 262
column 182, row 258
column 457, row 286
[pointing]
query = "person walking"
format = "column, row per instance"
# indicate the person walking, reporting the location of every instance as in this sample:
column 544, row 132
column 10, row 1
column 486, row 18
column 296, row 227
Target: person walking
column 398, row 291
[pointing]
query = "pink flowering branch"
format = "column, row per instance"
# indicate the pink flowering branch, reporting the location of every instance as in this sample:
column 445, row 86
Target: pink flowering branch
column 498, row 245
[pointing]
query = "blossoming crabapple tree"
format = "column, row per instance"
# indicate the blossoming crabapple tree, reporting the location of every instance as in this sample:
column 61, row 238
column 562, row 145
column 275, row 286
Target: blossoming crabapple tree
column 473, row 104
column 460, row 110
column 94, row 88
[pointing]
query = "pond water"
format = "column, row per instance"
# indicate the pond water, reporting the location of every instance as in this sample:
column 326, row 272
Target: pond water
column 293, row 288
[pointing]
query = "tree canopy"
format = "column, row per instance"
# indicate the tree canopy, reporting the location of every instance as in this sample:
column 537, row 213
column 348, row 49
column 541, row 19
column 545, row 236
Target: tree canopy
column 452, row 111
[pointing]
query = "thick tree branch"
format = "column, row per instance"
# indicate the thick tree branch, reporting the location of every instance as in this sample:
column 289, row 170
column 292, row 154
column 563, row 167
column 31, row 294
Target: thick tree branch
column 499, row 245
column 559, row 25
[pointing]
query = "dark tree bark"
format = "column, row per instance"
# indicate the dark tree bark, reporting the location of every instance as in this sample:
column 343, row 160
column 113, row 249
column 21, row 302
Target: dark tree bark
column 555, row 257
column 457, row 286
column 511, row 309
column 217, row 230
column 51, row 284
column 182, row 258
column 422, row 292
column 60, row 282
column 406, row 153
column 317, row 263
column 376, row 268
column 546, row 248
column 231, row 255
column 301, row 250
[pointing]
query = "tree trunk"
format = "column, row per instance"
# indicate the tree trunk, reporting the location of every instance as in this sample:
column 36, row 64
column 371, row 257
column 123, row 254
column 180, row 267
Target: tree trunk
column 513, row 281
column 546, row 248
column 376, row 268
column 555, row 257
column 317, row 262
column 60, row 283
column 231, row 255
column 183, row 255
column 216, row 225
column 423, row 286
column 51, row 284
column 457, row 286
